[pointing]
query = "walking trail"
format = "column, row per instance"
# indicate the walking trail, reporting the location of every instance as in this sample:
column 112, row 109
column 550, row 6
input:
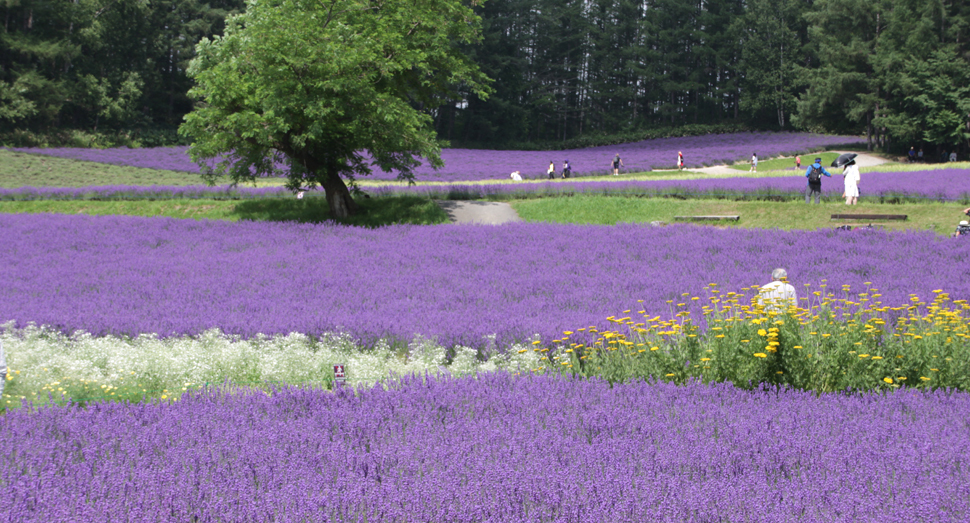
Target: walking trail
column 863, row 160
column 495, row 213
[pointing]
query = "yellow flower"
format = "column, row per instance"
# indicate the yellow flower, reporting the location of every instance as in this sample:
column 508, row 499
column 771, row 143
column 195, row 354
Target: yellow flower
column 670, row 375
column 863, row 355
column 876, row 358
column 760, row 355
column 536, row 342
column 705, row 359
column 887, row 380
column 924, row 378
column 523, row 350
column 762, row 332
column 935, row 370
column 654, row 348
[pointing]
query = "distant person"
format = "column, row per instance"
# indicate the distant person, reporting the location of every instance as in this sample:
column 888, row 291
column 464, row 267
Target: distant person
column 851, row 174
column 912, row 155
column 516, row 176
column 919, row 155
column 798, row 162
column 680, row 160
column 566, row 169
column 814, row 174
column 778, row 295
column 754, row 162
column 943, row 156
column 617, row 163
column 953, row 156
column 552, row 170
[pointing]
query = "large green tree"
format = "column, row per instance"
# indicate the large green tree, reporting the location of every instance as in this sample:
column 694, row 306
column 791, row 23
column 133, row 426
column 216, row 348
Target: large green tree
column 328, row 88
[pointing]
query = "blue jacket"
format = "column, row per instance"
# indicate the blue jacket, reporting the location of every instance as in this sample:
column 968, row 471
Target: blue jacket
column 816, row 164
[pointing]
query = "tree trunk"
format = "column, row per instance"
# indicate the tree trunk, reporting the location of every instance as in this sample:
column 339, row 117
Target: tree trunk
column 342, row 205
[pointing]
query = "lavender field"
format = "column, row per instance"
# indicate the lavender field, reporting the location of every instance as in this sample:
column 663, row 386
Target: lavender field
column 473, row 164
column 936, row 184
column 461, row 285
column 495, row 448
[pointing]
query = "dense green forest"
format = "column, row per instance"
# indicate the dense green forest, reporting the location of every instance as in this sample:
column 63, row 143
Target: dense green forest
column 564, row 71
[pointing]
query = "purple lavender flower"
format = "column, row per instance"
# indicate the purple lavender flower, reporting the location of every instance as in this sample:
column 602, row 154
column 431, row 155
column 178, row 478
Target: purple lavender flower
column 494, row 448
column 475, row 164
column 458, row 284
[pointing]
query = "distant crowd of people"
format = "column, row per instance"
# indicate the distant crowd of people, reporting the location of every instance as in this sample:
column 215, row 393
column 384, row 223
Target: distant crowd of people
column 916, row 155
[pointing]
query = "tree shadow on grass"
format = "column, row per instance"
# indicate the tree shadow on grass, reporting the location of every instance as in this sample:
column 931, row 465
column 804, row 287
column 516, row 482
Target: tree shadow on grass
column 372, row 212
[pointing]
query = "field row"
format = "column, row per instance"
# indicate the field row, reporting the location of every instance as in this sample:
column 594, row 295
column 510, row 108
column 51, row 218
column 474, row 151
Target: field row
column 472, row 164
column 838, row 345
column 891, row 186
column 459, row 285
column 495, row 448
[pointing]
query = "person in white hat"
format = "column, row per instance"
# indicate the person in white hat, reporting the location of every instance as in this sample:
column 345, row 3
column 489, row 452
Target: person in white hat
column 778, row 295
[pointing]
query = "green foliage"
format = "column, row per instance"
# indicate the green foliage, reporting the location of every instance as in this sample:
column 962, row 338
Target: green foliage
column 772, row 211
column 836, row 344
column 374, row 212
column 319, row 85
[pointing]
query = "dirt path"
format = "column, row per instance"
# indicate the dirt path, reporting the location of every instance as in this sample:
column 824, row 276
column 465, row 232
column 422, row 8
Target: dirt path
column 487, row 213
column 863, row 160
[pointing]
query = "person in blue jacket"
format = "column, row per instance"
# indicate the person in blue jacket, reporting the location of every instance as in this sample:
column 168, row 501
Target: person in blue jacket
column 814, row 174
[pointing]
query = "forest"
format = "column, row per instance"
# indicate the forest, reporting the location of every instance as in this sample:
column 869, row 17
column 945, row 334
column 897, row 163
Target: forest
column 564, row 72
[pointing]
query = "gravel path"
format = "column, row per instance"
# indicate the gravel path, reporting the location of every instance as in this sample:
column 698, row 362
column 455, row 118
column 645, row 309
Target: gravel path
column 494, row 213
column 488, row 213
column 863, row 160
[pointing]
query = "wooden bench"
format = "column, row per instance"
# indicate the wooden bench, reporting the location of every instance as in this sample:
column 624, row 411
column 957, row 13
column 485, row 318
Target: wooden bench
column 707, row 218
column 869, row 217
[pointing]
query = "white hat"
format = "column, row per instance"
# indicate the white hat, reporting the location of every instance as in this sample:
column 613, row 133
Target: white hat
column 964, row 222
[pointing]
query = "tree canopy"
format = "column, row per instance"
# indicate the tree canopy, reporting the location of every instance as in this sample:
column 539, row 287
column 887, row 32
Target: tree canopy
column 327, row 89
column 567, row 71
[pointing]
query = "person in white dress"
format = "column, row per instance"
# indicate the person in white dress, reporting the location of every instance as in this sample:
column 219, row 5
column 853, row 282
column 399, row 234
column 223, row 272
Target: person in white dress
column 516, row 176
column 851, row 173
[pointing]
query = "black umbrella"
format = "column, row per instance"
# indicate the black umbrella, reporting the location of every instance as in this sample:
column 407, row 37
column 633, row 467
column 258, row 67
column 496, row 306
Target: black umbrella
column 841, row 161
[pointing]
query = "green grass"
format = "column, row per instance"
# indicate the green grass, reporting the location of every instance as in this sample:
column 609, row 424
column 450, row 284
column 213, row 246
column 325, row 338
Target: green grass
column 34, row 170
column 779, row 164
column 941, row 218
column 375, row 212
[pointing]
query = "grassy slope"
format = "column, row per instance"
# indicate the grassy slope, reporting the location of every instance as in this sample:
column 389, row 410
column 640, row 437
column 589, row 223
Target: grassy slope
column 21, row 170
column 939, row 217
column 376, row 211
column 779, row 164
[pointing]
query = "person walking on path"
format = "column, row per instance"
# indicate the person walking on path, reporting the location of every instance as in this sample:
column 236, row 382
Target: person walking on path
column 754, row 162
column 814, row 174
column 617, row 163
column 851, row 173
column 552, row 170
column 778, row 295
column 798, row 162
column 566, row 169
column 680, row 160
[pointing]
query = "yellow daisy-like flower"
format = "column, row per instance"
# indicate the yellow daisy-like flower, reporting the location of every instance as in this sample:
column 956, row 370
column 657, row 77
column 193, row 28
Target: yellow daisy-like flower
column 888, row 380
column 924, row 378
column 762, row 332
column 654, row 348
column 760, row 355
column 705, row 359
column 536, row 342
column 670, row 375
